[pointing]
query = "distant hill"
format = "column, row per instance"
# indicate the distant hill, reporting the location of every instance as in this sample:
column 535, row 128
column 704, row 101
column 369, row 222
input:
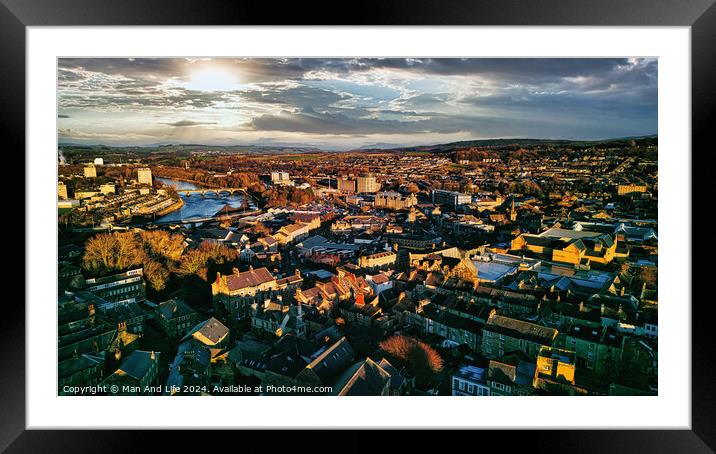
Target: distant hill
column 504, row 143
column 75, row 153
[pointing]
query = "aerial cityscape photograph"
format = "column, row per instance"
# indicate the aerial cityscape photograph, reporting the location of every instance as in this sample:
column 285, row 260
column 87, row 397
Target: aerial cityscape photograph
column 357, row 226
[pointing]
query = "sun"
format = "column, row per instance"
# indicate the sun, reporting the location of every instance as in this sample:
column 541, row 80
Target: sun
column 212, row 79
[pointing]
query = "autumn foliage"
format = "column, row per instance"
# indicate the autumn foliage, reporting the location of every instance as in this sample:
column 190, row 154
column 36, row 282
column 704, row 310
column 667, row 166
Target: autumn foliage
column 154, row 251
column 418, row 357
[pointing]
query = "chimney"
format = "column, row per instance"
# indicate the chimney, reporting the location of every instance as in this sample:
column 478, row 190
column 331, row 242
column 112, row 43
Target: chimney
column 152, row 356
column 298, row 272
column 236, row 270
column 251, row 268
column 218, row 278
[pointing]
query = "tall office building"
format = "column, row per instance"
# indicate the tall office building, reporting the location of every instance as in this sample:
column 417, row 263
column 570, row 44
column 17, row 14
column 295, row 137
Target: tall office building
column 367, row 183
column 144, row 176
column 90, row 171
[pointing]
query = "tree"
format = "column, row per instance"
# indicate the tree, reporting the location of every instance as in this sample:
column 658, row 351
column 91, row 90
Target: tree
column 191, row 263
column 418, row 357
column 261, row 229
column 99, row 253
column 156, row 274
column 154, row 251
column 162, row 244
column 110, row 252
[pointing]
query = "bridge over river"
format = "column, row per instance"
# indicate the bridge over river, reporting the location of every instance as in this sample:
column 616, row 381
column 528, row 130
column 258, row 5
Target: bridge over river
column 213, row 191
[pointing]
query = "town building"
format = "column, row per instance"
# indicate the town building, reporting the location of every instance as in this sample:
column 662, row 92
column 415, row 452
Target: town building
column 470, row 380
column 62, row 191
column 137, row 375
column 367, row 183
column 511, row 375
column 503, row 335
column 280, row 178
column 392, row 200
column 127, row 287
column 578, row 247
column 597, row 350
column 626, row 189
column 380, row 260
column 90, row 171
column 144, row 176
column 346, row 185
column 236, row 292
column 175, row 317
column 450, row 198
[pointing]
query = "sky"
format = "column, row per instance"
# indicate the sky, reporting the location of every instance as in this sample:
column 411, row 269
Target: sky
column 347, row 103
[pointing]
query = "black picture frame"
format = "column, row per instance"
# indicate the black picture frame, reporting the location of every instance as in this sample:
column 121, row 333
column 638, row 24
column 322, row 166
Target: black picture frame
column 700, row 15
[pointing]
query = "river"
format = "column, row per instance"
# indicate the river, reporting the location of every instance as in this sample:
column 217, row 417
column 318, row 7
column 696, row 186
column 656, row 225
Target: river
column 198, row 206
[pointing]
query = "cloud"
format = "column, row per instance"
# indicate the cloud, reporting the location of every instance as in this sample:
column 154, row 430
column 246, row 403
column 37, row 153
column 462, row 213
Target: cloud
column 185, row 123
column 336, row 98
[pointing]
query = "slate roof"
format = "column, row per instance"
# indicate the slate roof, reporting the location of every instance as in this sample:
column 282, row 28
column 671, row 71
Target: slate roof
column 365, row 378
column 521, row 329
column 209, row 332
column 329, row 364
column 71, row 365
column 396, row 378
column 138, row 363
column 173, row 308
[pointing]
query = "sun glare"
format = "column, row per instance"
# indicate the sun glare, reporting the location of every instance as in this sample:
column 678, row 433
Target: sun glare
column 212, row 79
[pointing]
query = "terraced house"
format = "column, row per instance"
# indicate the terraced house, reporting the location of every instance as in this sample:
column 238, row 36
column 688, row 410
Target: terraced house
column 504, row 335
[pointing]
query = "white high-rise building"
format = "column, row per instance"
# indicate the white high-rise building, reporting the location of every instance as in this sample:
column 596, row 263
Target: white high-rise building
column 367, row 183
column 144, row 176
column 280, row 178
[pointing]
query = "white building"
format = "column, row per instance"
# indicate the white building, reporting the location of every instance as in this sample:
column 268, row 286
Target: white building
column 470, row 381
column 144, row 176
column 280, row 178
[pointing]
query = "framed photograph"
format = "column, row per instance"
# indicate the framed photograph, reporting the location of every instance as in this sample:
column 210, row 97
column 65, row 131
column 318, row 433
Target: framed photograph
column 412, row 217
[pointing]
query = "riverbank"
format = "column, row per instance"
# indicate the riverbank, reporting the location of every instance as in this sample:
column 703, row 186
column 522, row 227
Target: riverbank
column 171, row 208
column 199, row 185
